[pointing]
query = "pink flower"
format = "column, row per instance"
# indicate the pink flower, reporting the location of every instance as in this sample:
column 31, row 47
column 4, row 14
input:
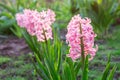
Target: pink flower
column 20, row 18
column 74, row 35
column 37, row 23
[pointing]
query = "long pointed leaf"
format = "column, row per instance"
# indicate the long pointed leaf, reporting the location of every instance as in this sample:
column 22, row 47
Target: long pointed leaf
column 71, row 65
column 77, row 67
column 51, row 70
column 7, row 8
column 110, row 77
column 42, row 68
column 67, row 74
column 106, row 71
column 85, row 71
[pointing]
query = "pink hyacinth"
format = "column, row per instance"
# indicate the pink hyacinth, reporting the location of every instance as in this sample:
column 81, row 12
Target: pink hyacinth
column 37, row 23
column 74, row 35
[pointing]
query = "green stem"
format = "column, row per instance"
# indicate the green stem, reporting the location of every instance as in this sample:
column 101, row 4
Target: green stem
column 46, row 43
column 82, row 52
column 82, row 47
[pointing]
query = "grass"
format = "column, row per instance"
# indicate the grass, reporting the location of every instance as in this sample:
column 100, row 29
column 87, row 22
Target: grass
column 16, row 68
column 4, row 59
column 21, row 68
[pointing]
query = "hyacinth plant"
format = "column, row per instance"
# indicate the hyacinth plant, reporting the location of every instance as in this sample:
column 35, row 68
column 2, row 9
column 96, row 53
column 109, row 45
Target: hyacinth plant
column 80, row 37
column 43, row 40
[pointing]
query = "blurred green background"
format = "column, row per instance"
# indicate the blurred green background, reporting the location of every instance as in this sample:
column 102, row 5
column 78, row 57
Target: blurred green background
column 105, row 16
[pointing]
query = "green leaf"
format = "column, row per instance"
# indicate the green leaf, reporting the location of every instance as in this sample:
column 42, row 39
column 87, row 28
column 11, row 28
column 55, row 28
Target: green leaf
column 49, row 62
column 32, row 42
column 33, row 4
column 36, row 47
column 71, row 65
column 6, row 24
column 106, row 71
column 16, row 30
column 109, row 57
column 59, row 57
column 67, row 74
column 8, row 15
column 27, row 39
column 55, row 51
column 8, row 8
column 77, row 67
column 44, row 73
column 110, row 77
column 51, row 69
column 85, row 71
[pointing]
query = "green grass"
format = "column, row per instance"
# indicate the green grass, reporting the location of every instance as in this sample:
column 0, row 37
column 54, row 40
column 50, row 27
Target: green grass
column 4, row 59
column 16, row 68
column 15, row 78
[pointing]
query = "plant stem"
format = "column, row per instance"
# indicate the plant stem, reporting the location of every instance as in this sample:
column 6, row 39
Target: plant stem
column 46, row 43
column 82, row 52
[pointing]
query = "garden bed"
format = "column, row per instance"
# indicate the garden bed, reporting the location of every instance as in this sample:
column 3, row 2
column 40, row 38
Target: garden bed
column 15, row 62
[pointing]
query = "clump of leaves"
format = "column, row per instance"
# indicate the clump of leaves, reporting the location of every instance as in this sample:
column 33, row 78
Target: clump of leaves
column 103, row 14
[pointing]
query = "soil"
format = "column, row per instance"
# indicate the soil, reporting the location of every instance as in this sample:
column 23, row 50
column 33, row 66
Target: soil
column 13, row 46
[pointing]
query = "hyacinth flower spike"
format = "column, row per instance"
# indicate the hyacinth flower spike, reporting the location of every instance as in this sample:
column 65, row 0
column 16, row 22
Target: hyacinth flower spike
column 80, row 37
column 35, row 22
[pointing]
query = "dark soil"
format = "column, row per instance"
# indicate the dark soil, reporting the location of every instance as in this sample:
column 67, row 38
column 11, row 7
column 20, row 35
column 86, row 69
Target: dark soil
column 13, row 46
